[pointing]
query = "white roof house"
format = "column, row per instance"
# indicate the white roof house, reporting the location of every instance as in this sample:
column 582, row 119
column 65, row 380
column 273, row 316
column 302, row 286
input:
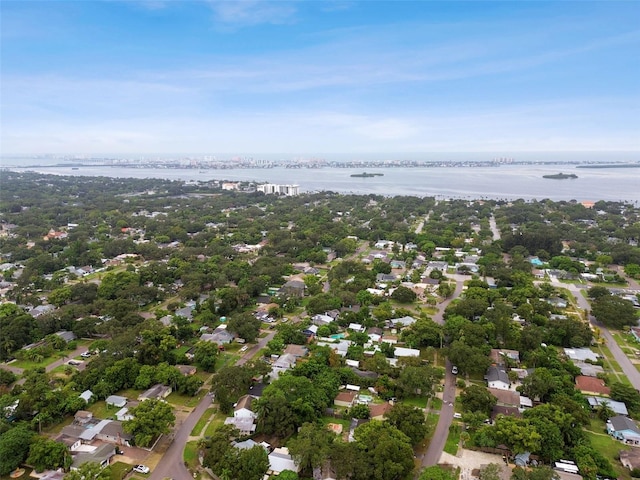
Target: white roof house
column 86, row 395
column 116, row 401
column 280, row 460
column 581, row 354
column 406, row 352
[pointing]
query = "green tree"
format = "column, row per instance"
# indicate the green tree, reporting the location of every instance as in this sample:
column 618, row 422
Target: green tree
column 360, row 411
column 492, row 471
column 14, row 447
column 614, row 312
column 476, row 398
column 387, row 449
column 536, row 473
column 311, row 447
column 45, row 454
column 287, row 475
column 89, row 471
column 206, row 355
column 627, row 394
column 409, row 420
column 437, row 472
column 251, row 463
column 245, row 325
column 404, row 294
column 150, row 419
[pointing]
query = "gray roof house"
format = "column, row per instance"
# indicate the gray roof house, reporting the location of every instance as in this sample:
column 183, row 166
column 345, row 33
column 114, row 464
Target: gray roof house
column 497, row 378
column 624, row 429
column 158, row 392
column 116, row 401
column 100, row 455
column 86, row 395
column 617, row 407
column 219, row 335
column 294, row 288
column 402, row 321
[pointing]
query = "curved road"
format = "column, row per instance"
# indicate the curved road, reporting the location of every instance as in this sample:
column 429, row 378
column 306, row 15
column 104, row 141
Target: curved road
column 172, row 463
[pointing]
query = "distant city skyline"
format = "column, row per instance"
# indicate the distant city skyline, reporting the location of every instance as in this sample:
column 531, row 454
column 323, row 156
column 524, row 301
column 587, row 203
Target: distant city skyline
column 166, row 77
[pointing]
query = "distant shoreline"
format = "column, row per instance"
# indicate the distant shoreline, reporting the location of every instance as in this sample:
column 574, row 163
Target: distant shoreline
column 611, row 165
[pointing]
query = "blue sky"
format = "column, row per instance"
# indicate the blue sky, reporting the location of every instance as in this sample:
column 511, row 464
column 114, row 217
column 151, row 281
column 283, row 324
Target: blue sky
column 96, row 77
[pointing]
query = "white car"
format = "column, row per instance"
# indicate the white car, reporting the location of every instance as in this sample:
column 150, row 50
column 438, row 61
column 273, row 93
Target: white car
column 141, row 469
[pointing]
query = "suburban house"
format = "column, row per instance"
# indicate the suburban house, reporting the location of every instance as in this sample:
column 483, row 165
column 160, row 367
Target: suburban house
column 113, row 432
column 507, row 398
column 280, row 460
column 82, row 417
column 581, row 354
column 293, row 288
column 497, row 378
column 624, row 429
column 220, row 336
column 186, row 370
column 321, row 319
column 157, row 392
column 101, row 455
column 589, row 369
column 618, row 408
column 591, row 386
column 284, row 362
column 402, row 322
column 86, row 395
column 297, row 351
column 242, row 408
column 377, row 410
column 345, row 399
column 123, row 415
column 502, row 356
column 116, row 401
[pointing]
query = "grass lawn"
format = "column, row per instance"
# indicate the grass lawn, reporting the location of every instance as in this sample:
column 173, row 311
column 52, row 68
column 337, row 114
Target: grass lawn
column 436, row 403
column 119, row 470
column 101, row 410
column 182, row 350
column 197, row 429
column 342, row 421
column 420, row 402
column 451, row 446
column 432, row 421
column 225, row 359
column 190, row 454
column 27, row 364
column 613, row 366
column 610, row 449
column 176, row 398
column 218, row 419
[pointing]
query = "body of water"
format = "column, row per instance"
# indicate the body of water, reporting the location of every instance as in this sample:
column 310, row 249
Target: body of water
column 504, row 182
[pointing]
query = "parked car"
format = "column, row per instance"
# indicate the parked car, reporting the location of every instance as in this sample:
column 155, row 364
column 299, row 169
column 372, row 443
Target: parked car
column 454, row 370
column 85, row 354
column 75, row 363
column 141, row 469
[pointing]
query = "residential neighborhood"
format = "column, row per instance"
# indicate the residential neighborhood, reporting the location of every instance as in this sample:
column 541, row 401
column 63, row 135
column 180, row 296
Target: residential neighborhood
column 335, row 350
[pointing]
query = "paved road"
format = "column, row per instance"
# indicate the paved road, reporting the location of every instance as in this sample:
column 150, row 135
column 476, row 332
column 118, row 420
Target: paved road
column 494, row 228
column 439, row 438
column 627, row 367
column 172, row 463
column 48, row 368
